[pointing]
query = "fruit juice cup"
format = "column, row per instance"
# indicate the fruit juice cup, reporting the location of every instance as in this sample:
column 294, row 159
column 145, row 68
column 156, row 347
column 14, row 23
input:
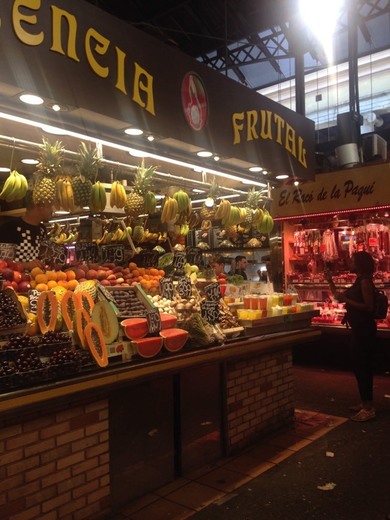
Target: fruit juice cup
column 243, row 314
column 247, row 302
column 263, row 303
column 254, row 303
column 269, row 302
column 275, row 299
column 287, row 299
column 284, row 309
column 258, row 314
column 294, row 297
column 298, row 307
column 222, row 288
column 280, row 299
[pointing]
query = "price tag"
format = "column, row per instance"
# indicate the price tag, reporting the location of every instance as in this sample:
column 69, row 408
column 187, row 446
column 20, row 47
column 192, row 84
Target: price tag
column 154, row 320
column 213, row 292
column 166, row 287
column 106, row 293
column 194, row 255
column 6, row 251
column 33, row 296
column 210, row 311
column 52, row 254
column 184, row 287
column 179, row 260
column 114, row 253
column 148, row 259
column 87, row 252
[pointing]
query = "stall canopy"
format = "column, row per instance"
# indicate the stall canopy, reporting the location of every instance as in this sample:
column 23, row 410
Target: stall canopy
column 110, row 76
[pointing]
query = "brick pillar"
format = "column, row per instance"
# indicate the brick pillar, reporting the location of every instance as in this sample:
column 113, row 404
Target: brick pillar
column 260, row 397
column 56, row 465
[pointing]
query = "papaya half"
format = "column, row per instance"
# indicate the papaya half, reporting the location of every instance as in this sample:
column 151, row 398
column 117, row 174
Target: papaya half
column 96, row 344
column 47, row 311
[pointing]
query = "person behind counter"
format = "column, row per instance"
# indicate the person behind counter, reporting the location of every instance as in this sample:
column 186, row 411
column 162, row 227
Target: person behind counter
column 239, row 266
column 218, row 264
column 359, row 300
column 27, row 233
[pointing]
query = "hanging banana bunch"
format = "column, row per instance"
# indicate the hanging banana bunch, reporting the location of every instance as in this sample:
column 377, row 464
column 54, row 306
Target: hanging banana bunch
column 98, row 197
column 117, row 195
column 223, row 210
column 170, row 210
column 64, row 194
column 15, row 187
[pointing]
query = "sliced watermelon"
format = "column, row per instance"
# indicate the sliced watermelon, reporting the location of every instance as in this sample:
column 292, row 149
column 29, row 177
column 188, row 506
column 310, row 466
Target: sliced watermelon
column 135, row 328
column 167, row 320
column 174, row 339
column 148, row 347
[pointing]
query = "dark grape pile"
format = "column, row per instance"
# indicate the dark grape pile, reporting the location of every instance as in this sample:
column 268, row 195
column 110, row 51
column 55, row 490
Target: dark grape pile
column 27, row 361
column 52, row 337
column 9, row 313
column 6, row 369
column 19, row 342
column 63, row 356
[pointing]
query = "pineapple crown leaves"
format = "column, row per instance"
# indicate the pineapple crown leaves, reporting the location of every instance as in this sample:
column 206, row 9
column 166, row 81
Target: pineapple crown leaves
column 214, row 190
column 143, row 178
column 88, row 162
column 50, row 157
column 255, row 197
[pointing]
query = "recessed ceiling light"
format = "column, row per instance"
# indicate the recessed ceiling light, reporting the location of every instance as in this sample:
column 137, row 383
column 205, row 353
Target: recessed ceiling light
column 29, row 161
column 282, row 176
column 296, row 183
column 150, row 138
column 134, row 131
column 31, row 99
column 204, row 153
column 4, row 169
column 56, row 107
column 255, row 169
column 216, row 157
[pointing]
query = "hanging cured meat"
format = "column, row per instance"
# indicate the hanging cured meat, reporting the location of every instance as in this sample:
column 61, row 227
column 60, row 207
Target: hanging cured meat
column 329, row 247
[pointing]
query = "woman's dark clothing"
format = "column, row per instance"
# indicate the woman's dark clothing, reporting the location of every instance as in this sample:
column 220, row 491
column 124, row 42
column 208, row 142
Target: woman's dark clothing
column 363, row 331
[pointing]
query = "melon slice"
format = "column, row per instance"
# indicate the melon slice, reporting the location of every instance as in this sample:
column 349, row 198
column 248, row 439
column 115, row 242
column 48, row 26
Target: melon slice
column 96, row 344
column 167, row 320
column 135, row 328
column 104, row 315
column 174, row 339
column 148, row 347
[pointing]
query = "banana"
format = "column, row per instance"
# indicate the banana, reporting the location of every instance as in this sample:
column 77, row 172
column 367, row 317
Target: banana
column 102, row 197
column 69, row 191
column 173, row 209
column 121, row 195
column 8, row 186
column 95, row 204
column 164, row 211
column 114, row 195
column 14, row 195
column 24, row 186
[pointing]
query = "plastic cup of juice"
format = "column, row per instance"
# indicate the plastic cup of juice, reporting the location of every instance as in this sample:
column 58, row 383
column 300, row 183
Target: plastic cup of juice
column 247, row 302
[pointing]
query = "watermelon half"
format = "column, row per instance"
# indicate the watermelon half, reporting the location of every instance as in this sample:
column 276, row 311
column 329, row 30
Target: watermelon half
column 167, row 320
column 174, row 339
column 135, row 328
column 148, row 347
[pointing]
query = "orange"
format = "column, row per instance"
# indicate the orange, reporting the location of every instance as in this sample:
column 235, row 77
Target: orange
column 161, row 272
column 61, row 275
column 72, row 284
column 51, row 284
column 35, row 271
column 41, row 287
column 33, row 284
column 51, row 275
column 63, row 283
column 41, row 278
column 132, row 265
column 135, row 273
column 71, row 275
column 153, row 271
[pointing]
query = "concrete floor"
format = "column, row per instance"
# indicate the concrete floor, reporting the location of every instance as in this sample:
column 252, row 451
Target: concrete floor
column 324, row 467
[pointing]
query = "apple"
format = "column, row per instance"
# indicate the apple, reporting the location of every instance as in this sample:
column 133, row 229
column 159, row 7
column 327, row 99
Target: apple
column 8, row 274
column 25, row 277
column 17, row 276
column 23, row 287
column 3, row 264
column 14, row 285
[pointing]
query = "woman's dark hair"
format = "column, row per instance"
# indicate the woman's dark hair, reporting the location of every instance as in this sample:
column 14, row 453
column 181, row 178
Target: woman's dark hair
column 364, row 263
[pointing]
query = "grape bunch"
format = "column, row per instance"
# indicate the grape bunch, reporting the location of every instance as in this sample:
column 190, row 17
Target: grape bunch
column 63, row 356
column 52, row 337
column 28, row 361
column 19, row 342
column 6, row 369
column 9, row 312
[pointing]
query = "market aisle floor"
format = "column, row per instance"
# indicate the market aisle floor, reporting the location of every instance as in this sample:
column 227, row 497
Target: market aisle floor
column 323, row 467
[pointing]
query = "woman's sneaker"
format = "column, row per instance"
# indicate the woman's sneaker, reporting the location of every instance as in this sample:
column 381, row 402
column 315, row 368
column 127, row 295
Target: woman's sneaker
column 364, row 415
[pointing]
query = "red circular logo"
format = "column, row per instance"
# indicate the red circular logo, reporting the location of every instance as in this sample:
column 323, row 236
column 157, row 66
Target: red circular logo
column 194, row 100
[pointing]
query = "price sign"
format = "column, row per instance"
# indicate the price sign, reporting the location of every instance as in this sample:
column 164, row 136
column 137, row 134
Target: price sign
column 210, row 311
column 52, row 254
column 154, row 320
column 33, row 296
column 213, row 292
column 166, row 287
column 148, row 259
column 6, row 251
column 179, row 260
column 87, row 252
column 184, row 287
column 194, row 255
column 106, row 293
column 114, row 253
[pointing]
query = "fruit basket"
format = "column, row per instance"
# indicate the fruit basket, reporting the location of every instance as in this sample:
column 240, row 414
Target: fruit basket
column 132, row 301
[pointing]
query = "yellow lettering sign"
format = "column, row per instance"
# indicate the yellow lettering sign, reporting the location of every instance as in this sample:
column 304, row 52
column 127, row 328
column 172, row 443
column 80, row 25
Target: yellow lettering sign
column 98, row 43
column 59, row 15
column 18, row 18
column 143, row 82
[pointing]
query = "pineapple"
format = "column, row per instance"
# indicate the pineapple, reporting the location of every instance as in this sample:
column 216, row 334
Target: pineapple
column 87, row 166
column 252, row 202
column 209, row 207
column 135, row 201
column 50, row 159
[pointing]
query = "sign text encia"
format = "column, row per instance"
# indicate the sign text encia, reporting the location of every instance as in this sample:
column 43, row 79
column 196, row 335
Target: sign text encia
column 95, row 46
